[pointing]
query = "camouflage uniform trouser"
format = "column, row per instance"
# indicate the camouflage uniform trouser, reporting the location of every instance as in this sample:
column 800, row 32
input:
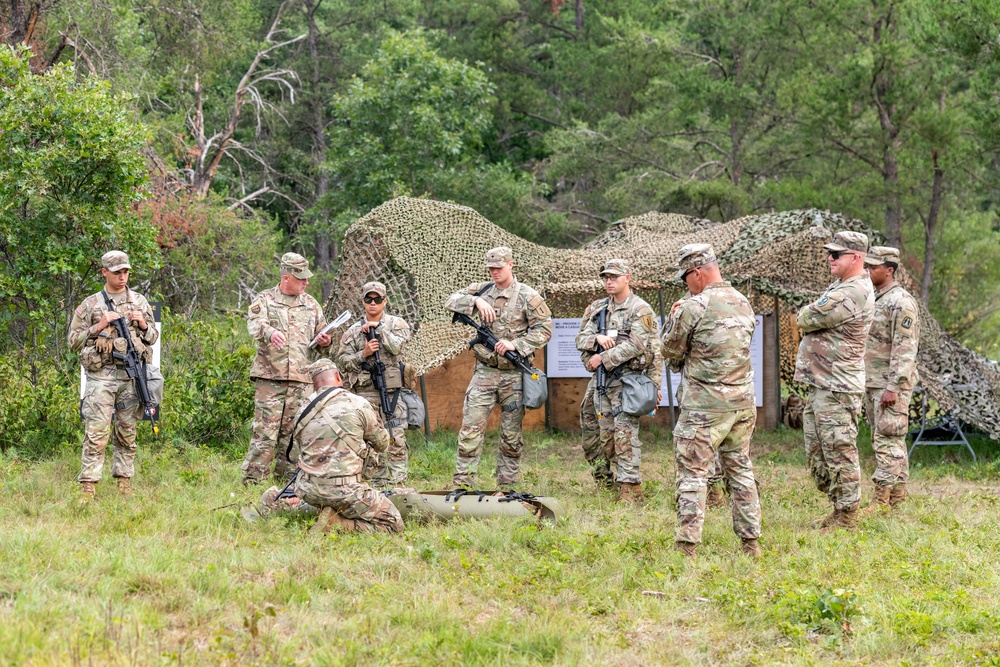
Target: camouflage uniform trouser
column 275, row 403
column 889, row 426
column 830, row 423
column 100, row 417
column 373, row 512
column 390, row 466
column 489, row 387
column 610, row 440
column 699, row 439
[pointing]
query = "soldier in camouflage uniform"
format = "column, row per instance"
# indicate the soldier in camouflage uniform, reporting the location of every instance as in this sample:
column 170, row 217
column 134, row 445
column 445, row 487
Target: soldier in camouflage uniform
column 283, row 320
column 707, row 338
column 110, row 400
column 891, row 372
column 522, row 322
column 831, row 361
column 356, row 352
column 333, row 440
column 627, row 348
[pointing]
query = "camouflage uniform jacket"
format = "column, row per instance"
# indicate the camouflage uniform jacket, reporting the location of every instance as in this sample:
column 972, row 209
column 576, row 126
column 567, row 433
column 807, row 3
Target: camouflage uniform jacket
column 891, row 353
column 710, row 335
column 83, row 336
column 832, row 352
column 299, row 318
column 635, row 324
column 332, row 438
column 522, row 318
column 392, row 332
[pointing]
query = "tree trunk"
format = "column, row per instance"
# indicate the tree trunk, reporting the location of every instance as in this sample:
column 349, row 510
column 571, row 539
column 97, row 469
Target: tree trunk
column 881, row 96
column 930, row 227
column 324, row 258
column 579, row 17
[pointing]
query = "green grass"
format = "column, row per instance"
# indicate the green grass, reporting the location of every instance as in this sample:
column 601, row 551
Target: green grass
column 162, row 578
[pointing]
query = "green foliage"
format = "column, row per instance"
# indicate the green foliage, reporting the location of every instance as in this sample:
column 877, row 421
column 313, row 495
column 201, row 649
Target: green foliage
column 41, row 401
column 208, row 396
column 212, row 258
column 71, row 166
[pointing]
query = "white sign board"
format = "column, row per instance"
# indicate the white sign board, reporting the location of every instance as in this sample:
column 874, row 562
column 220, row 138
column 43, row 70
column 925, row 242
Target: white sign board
column 564, row 359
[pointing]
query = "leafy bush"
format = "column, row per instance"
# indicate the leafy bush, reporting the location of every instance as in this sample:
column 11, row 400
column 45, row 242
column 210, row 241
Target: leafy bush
column 40, row 406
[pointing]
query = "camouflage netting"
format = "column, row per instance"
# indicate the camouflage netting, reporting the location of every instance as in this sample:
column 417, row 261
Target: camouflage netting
column 423, row 250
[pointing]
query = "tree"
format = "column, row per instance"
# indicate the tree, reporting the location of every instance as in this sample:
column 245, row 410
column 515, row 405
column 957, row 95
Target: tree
column 71, row 168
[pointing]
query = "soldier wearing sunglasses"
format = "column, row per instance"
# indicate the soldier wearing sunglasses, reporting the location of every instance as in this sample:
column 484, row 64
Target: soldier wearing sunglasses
column 355, row 352
column 831, row 361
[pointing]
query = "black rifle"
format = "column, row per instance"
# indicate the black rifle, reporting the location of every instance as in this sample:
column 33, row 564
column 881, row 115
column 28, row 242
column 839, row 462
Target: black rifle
column 601, row 318
column 376, row 369
column 135, row 367
column 486, row 337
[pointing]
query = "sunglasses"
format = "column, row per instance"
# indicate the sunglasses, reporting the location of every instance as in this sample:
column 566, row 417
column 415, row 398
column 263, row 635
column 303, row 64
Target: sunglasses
column 373, row 299
column 686, row 274
column 837, row 254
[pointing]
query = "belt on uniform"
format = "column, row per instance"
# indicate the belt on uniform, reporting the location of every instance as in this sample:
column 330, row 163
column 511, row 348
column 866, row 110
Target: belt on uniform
column 343, row 481
column 394, row 423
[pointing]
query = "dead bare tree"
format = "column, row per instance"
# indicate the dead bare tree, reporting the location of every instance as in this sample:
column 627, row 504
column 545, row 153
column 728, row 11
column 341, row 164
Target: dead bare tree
column 210, row 150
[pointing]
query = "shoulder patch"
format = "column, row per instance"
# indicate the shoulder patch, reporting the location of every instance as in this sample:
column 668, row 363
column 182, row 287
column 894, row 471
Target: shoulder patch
column 823, row 301
column 80, row 310
column 255, row 308
column 474, row 287
column 537, row 303
column 907, row 322
column 648, row 322
column 670, row 326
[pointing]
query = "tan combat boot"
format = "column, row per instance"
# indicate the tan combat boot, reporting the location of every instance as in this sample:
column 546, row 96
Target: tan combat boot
column 686, row 548
column 88, row 491
column 331, row 520
column 846, row 519
column 826, row 521
column 750, row 547
column 125, row 486
column 716, row 496
column 631, row 493
column 897, row 495
column 879, row 503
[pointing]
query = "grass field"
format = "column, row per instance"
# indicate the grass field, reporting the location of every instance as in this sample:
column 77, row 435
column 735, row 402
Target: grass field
column 162, row 578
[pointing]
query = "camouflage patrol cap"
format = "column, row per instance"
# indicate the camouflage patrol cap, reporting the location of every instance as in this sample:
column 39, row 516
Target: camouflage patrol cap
column 373, row 286
column 499, row 257
column 115, row 260
column 616, row 267
column 320, row 366
column 692, row 256
column 296, row 264
column 846, row 240
column 880, row 254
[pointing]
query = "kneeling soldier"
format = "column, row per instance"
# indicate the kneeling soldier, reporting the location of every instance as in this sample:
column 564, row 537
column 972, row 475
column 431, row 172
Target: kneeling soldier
column 334, row 433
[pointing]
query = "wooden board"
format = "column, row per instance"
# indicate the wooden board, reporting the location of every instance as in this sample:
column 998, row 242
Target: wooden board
column 446, row 387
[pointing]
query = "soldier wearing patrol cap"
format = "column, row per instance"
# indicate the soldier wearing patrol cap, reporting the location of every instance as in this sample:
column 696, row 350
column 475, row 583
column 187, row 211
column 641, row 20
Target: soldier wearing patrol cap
column 628, row 347
column 109, row 400
column 707, row 339
column 335, row 432
column 522, row 322
column 283, row 320
column 354, row 355
column 831, row 361
column 890, row 372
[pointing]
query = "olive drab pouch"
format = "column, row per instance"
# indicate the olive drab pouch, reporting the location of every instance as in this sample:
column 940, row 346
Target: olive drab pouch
column 534, row 392
column 91, row 359
column 393, row 377
column 415, row 410
column 638, row 395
